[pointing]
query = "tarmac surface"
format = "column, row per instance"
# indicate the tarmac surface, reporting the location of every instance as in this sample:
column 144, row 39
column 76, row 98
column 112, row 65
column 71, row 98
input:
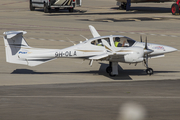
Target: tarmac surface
column 71, row 89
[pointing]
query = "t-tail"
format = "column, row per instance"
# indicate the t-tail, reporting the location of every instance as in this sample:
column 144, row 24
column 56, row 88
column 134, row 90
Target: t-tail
column 19, row 52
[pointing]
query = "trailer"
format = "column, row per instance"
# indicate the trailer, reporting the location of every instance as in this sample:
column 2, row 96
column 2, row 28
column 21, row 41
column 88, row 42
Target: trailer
column 47, row 5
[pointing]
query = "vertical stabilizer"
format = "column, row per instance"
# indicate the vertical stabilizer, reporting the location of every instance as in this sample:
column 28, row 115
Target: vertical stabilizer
column 14, row 42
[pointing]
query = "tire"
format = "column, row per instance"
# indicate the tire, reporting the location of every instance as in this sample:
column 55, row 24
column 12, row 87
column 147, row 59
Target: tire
column 57, row 9
column 46, row 9
column 175, row 9
column 149, row 71
column 71, row 9
column 109, row 70
column 111, row 75
column 31, row 8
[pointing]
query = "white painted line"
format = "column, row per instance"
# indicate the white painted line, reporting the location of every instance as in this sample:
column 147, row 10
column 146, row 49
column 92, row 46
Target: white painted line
column 32, row 38
column 142, row 33
column 61, row 40
column 132, row 32
column 157, row 18
column 152, row 34
column 163, row 35
column 41, row 39
column 51, row 40
column 108, row 21
column 173, row 36
column 135, row 19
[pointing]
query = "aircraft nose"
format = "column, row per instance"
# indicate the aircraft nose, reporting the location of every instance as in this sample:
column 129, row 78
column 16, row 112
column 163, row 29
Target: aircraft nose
column 170, row 49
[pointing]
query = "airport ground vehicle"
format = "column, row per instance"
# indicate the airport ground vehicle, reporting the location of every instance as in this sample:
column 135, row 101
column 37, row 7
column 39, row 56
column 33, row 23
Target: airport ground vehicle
column 47, row 5
column 175, row 8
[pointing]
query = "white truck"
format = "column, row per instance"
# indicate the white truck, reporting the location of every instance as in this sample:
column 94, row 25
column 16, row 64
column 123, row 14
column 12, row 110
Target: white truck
column 47, row 5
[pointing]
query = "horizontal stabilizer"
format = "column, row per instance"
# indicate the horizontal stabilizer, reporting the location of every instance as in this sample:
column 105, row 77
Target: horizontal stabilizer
column 11, row 34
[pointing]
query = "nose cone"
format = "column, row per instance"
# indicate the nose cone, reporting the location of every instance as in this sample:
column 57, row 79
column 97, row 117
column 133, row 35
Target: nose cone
column 169, row 49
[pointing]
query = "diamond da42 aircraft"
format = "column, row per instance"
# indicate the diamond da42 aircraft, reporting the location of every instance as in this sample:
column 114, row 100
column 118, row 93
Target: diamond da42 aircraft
column 112, row 48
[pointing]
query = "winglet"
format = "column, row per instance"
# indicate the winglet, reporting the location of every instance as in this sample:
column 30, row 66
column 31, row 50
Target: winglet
column 93, row 31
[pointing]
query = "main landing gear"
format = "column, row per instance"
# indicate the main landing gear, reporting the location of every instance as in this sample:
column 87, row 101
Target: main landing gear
column 112, row 69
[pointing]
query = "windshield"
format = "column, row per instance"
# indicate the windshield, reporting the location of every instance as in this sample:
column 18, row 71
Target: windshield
column 98, row 42
column 123, row 42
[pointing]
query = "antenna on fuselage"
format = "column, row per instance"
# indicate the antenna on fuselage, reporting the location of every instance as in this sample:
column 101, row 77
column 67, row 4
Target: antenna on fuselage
column 84, row 37
column 71, row 41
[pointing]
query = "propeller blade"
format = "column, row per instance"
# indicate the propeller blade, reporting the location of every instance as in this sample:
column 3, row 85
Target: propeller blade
column 146, row 50
column 146, row 44
column 140, row 38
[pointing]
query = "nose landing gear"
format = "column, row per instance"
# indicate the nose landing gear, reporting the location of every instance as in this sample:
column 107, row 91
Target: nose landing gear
column 149, row 71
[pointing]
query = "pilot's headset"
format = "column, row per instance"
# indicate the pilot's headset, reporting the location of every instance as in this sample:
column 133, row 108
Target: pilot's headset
column 117, row 39
column 99, row 40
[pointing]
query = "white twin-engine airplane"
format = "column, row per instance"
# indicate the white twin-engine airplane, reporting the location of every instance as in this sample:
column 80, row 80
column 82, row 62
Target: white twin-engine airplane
column 113, row 48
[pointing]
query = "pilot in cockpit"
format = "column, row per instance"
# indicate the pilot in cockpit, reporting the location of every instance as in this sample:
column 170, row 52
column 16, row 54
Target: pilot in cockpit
column 117, row 42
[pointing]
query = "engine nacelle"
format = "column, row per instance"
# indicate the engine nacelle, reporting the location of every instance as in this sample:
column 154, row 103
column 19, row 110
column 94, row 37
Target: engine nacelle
column 136, row 55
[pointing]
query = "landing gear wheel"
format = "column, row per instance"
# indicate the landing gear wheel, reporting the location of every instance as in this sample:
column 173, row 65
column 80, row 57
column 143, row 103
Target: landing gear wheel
column 111, row 75
column 109, row 69
column 30, row 6
column 175, row 9
column 71, row 9
column 149, row 71
column 56, row 9
column 123, row 6
column 46, row 9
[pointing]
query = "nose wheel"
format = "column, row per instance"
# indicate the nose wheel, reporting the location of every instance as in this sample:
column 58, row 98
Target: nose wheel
column 149, row 71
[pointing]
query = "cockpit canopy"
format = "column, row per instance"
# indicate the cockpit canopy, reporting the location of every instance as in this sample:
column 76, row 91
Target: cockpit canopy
column 117, row 41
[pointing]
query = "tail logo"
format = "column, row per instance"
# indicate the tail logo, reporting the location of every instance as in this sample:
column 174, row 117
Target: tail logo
column 24, row 52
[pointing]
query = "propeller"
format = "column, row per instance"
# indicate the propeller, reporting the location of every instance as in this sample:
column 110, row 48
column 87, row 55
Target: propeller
column 146, row 49
column 146, row 52
column 140, row 38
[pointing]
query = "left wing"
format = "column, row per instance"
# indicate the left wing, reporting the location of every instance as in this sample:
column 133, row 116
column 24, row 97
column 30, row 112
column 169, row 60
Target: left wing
column 94, row 31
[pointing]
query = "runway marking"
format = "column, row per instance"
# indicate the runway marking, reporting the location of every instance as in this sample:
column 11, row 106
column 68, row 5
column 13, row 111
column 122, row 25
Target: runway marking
column 98, row 97
column 173, row 36
column 41, row 39
column 121, row 32
column 163, row 35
